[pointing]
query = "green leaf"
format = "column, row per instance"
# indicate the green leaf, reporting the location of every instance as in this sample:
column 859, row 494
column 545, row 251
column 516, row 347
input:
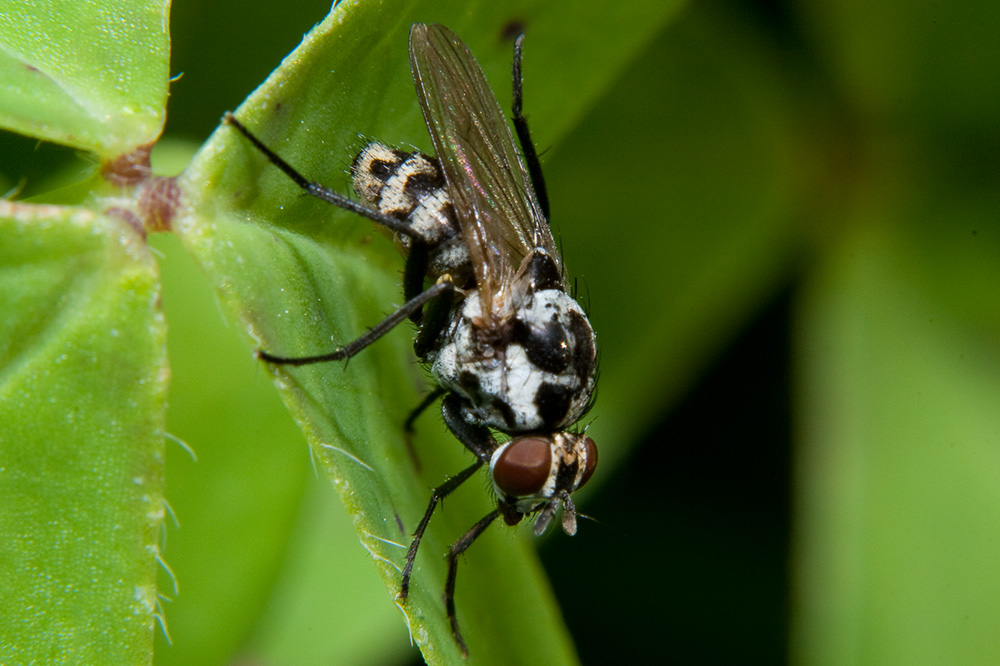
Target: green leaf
column 232, row 529
column 82, row 387
column 263, row 551
column 89, row 75
column 328, row 582
column 303, row 276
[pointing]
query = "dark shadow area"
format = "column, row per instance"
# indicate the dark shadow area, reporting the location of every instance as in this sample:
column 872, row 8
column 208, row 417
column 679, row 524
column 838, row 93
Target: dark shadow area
column 688, row 564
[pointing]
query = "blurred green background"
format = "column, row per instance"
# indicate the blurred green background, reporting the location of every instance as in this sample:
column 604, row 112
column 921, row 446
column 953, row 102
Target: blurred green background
column 785, row 220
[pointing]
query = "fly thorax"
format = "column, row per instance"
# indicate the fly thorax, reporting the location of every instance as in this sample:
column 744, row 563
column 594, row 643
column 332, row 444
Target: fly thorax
column 536, row 374
column 410, row 187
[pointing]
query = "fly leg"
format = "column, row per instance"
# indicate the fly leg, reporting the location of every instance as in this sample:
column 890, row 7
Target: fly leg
column 443, row 287
column 419, row 409
column 408, row 428
column 524, row 135
column 477, row 439
column 414, row 273
column 457, row 549
column 321, row 191
column 433, row 323
column 437, row 495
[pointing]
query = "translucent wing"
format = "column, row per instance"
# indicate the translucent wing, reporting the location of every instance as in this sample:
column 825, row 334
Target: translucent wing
column 498, row 213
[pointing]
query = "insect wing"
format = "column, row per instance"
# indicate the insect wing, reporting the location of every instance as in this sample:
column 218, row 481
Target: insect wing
column 498, row 213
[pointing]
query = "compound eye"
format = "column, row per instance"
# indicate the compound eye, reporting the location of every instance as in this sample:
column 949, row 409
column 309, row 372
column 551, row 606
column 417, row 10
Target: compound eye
column 590, row 450
column 522, row 468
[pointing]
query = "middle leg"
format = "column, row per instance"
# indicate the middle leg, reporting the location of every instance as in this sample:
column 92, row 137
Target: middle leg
column 443, row 289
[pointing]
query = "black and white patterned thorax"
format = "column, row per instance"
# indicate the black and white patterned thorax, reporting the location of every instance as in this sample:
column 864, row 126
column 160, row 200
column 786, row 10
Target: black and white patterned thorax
column 533, row 369
column 534, row 372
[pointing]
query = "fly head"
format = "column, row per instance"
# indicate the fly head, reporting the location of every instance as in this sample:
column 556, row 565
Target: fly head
column 538, row 473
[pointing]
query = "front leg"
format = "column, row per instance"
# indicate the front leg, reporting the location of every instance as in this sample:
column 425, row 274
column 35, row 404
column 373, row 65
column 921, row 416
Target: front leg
column 477, row 439
column 437, row 495
column 457, row 549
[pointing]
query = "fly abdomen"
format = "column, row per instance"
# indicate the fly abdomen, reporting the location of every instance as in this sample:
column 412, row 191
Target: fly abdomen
column 411, row 188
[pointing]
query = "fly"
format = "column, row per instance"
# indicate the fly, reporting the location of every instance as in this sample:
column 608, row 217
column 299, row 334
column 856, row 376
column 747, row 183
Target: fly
column 512, row 352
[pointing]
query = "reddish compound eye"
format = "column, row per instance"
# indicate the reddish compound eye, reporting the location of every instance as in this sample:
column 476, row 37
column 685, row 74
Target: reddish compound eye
column 588, row 470
column 522, row 468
